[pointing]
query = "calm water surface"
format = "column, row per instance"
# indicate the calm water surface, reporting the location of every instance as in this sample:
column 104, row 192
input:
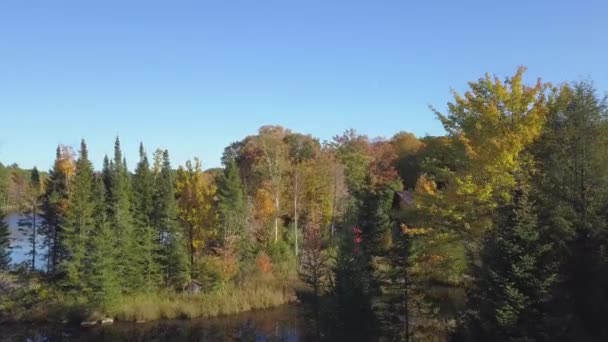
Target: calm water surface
column 280, row 324
column 20, row 241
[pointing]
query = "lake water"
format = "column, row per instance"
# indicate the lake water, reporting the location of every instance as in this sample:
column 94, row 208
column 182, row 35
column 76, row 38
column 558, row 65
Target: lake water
column 284, row 323
column 20, row 241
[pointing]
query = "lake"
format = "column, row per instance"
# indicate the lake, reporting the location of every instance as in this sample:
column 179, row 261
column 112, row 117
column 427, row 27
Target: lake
column 20, row 241
column 284, row 323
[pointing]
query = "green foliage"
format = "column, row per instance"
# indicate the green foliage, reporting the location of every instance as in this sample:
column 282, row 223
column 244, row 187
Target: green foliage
column 231, row 205
column 572, row 158
column 493, row 123
column 440, row 257
column 54, row 204
column 353, row 293
column 21, row 297
column 102, row 278
column 121, row 220
column 177, row 264
column 102, row 275
column 352, row 151
column 409, row 150
column 172, row 255
column 79, row 224
column 517, row 278
column 147, row 239
column 283, row 259
column 509, row 208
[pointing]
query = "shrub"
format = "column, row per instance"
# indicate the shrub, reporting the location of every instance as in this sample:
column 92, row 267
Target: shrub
column 264, row 263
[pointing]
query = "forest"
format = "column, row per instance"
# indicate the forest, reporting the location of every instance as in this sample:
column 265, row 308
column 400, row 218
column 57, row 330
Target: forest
column 495, row 231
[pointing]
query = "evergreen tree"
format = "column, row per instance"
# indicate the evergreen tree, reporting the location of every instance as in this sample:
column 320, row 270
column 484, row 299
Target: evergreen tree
column 172, row 255
column 374, row 217
column 376, row 224
column 355, row 319
column 515, row 284
column 54, row 205
column 143, row 207
column 231, row 205
column 143, row 190
column 5, row 243
column 362, row 263
column 106, row 176
column 400, row 291
column 572, row 182
column 102, row 276
column 122, row 221
column 79, row 223
column 30, row 208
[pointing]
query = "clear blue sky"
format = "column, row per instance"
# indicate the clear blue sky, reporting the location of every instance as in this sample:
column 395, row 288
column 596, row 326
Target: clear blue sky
column 195, row 76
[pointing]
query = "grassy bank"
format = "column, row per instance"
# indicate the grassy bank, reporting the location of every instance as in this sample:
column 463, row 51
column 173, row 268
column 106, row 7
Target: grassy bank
column 227, row 300
column 33, row 302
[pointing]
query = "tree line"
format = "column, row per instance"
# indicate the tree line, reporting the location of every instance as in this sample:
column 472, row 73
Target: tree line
column 494, row 231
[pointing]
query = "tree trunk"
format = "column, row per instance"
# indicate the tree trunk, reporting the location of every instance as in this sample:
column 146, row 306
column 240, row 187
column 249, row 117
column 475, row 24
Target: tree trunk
column 295, row 211
column 34, row 238
column 191, row 251
column 276, row 216
column 407, row 310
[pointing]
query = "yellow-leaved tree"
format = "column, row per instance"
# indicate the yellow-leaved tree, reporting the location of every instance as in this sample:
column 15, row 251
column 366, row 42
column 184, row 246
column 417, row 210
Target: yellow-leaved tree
column 489, row 127
column 195, row 191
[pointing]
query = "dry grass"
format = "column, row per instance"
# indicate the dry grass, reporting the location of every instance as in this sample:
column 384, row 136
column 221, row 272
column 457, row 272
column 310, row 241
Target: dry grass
column 227, row 300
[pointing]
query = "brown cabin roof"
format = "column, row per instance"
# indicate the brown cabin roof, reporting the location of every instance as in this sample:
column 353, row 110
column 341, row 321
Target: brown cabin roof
column 405, row 197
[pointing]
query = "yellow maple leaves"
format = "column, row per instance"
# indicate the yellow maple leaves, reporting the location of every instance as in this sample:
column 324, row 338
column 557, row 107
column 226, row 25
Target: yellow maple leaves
column 195, row 192
column 493, row 123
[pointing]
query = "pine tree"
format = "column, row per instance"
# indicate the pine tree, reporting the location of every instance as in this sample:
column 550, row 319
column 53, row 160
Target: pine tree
column 172, row 255
column 79, row 223
column 143, row 207
column 358, row 278
column 5, row 243
column 30, row 207
column 376, row 226
column 352, row 292
column 106, row 176
column 122, row 220
column 573, row 156
column 401, row 285
column 102, row 276
column 374, row 217
column 515, row 284
column 231, row 205
column 54, row 205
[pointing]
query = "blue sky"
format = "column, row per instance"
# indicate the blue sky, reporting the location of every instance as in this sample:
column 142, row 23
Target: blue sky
column 194, row 76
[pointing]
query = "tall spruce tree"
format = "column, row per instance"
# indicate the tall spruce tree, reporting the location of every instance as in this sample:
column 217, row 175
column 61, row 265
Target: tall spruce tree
column 361, row 264
column 172, row 254
column 102, row 276
column 54, row 204
column 122, row 220
column 572, row 157
column 231, row 205
column 107, row 176
column 400, row 291
column 515, row 284
column 5, row 243
column 143, row 208
column 79, row 223
column 30, row 208
column 355, row 318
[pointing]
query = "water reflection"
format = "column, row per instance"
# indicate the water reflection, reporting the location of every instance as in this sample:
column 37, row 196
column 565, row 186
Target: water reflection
column 279, row 324
column 20, row 244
